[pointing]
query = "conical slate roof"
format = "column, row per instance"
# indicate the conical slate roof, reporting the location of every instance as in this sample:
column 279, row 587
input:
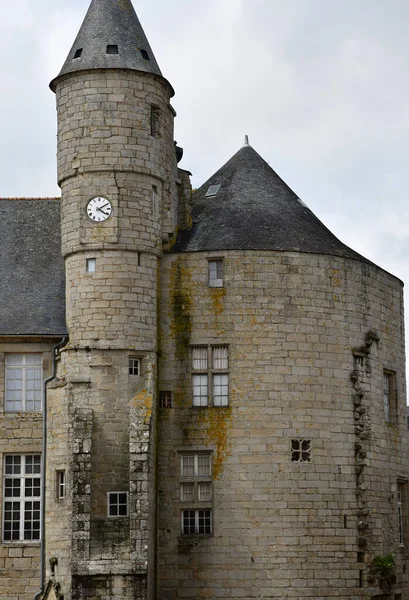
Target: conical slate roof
column 111, row 37
column 255, row 210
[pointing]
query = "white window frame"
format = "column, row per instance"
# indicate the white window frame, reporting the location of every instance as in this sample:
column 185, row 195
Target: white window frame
column 210, row 376
column 11, row 368
column 91, row 265
column 118, row 504
column 61, row 482
column 22, row 499
column 197, row 512
column 216, row 272
column 134, row 360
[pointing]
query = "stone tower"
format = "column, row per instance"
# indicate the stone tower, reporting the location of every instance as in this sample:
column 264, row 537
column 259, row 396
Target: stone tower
column 117, row 173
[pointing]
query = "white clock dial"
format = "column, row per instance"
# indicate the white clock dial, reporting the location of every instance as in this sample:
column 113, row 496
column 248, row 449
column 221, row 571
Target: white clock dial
column 99, row 209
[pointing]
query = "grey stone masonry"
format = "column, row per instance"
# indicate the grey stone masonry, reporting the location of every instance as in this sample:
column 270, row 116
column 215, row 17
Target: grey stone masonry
column 285, row 524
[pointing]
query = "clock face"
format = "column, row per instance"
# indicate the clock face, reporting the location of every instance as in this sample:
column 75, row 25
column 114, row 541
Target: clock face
column 99, row 209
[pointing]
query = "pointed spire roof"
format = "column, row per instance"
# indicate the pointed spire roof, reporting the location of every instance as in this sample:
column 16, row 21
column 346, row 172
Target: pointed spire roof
column 111, row 37
column 247, row 206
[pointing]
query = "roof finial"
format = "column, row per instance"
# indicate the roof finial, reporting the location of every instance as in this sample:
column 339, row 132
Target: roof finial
column 246, row 140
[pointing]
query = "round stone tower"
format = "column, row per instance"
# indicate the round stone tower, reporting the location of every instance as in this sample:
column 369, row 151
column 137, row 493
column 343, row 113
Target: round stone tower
column 116, row 170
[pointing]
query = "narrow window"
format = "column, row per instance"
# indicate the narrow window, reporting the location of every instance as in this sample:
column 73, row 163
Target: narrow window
column 78, row 53
column 22, row 498
column 117, row 504
column 200, row 390
column 165, row 399
column 196, row 488
column 112, row 49
column 216, row 273
column 24, row 376
column 301, row 451
column 390, row 397
column 61, row 485
column 145, row 54
column 155, row 120
column 402, row 511
column 91, row 265
column 134, row 366
column 155, row 200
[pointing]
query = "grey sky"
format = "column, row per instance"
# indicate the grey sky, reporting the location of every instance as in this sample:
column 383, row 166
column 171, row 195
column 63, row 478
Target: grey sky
column 320, row 86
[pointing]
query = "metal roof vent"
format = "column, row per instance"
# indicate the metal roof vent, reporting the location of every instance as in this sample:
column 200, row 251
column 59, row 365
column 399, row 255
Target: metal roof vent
column 145, row 54
column 112, row 49
column 78, row 53
column 212, row 191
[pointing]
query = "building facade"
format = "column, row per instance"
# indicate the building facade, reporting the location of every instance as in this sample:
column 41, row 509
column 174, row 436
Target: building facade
column 201, row 397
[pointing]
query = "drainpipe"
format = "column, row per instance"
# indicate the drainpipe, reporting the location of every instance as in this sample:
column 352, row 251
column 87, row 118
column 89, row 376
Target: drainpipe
column 43, row 465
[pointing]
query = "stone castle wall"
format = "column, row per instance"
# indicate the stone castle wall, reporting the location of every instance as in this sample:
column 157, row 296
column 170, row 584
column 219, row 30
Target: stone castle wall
column 300, row 329
column 102, row 418
column 20, row 433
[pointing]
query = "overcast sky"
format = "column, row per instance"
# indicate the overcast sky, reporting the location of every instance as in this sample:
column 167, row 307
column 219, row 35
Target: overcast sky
column 320, row 86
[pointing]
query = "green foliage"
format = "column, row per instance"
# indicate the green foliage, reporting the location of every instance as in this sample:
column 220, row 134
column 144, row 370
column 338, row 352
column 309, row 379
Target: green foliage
column 382, row 569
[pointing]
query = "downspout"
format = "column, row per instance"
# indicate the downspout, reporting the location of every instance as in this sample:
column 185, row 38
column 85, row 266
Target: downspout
column 43, row 465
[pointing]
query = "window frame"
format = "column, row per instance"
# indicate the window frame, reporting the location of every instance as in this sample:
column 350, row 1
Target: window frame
column 24, row 367
column 109, row 505
column 132, row 360
column 155, row 118
column 61, row 484
column 196, row 472
column 208, row 378
column 22, row 499
column 304, row 448
column 390, row 397
column 218, row 280
column 402, row 512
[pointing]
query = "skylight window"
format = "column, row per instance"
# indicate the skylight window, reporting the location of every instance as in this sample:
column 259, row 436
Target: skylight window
column 212, row 191
column 145, row 55
column 78, row 53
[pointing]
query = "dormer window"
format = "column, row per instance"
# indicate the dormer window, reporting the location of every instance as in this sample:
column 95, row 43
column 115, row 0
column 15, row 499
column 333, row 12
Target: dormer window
column 112, row 49
column 145, row 54
column 78, row 53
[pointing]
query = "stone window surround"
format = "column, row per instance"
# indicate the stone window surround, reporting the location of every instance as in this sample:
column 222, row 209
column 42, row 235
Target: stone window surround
column 390, row 397
column 25, row 474
column 196, row 480
column 208, row 378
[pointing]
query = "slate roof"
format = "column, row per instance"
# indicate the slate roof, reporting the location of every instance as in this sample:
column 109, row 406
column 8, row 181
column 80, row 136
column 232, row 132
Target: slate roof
column 110, row 22
column 255, row 210
column 32, row 278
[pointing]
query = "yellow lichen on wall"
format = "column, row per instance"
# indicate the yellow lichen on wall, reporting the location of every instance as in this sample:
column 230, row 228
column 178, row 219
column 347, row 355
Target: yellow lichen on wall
column 181, row 301
column 143, row 402
column 218, row 422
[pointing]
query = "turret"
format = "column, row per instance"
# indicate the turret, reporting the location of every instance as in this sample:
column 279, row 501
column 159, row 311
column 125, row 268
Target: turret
column 117, row 173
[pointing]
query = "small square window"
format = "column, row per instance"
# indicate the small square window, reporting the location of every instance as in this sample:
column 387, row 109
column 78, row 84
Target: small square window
column 165, row 399
column 91, row 265
column 117, row 504
column 197, row 522
column 61, row 485
column 134, row 366
column 216, row 273
column 112, row 49
column 301, row 451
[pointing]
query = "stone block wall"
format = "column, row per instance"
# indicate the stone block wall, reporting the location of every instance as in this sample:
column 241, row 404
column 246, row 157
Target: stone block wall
column 20, row 433
column 293, row 324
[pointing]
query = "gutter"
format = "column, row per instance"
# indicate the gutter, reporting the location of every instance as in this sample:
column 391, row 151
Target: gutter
column 55, row 353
